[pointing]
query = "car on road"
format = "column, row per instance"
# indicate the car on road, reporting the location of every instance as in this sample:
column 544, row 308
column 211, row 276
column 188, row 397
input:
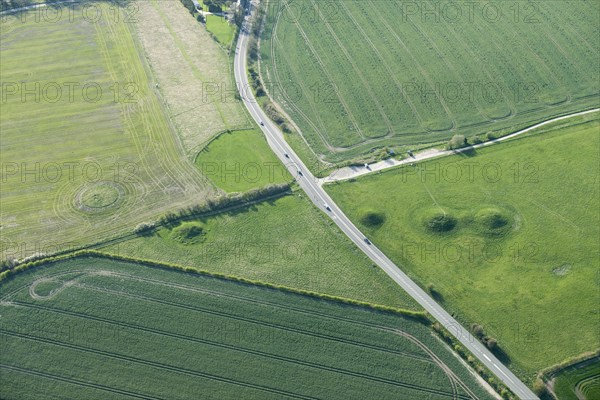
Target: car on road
column 262, row 123
column 300, row 173
column 286, row 155
column 367, row 241
column 327, row 207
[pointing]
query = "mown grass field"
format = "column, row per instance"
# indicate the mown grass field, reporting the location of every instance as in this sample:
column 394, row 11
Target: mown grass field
column 573, row 383
column 223, row 30
column 285, row 242
column 87, row 152
column 507, row 236
column 358, row 75
column 241, row 160
column 92, row 328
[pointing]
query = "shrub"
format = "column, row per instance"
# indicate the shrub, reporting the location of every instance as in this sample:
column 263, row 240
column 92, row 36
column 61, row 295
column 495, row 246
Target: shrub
column 477, row 330
column 491, row 343
column 457, row 142
column 144, row 228
column 491, row 136
column 188, row 233
column 274, row 114
column 539, row 387
column 475, row 140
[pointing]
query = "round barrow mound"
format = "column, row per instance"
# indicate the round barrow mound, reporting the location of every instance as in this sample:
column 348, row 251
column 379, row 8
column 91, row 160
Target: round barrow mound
column 188, row 233
column 372, row 219
column 493, row 221
column 439, row 221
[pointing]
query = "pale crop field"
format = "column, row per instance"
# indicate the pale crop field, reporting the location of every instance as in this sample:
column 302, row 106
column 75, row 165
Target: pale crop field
column 193, row 73
column 87, row 152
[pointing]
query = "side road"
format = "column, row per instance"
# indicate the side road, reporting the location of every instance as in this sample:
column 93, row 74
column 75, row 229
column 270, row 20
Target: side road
column 346, row 173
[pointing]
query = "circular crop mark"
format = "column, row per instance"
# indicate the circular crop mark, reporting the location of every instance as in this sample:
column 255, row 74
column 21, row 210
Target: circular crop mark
column 99, row 197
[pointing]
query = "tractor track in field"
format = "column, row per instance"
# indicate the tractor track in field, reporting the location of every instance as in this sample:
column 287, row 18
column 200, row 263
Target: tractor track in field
column 215, row 293
column 281, row 358
column 78, row 382
column 432, row 356
column 356, row 69
column 256, row 322
column 161, row 366
column 390, row 73
column 453, row 378
column 328, row 75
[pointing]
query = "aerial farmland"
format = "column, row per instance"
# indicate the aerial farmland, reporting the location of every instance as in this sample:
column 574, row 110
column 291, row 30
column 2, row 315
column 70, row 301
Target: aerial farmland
column 306, row 199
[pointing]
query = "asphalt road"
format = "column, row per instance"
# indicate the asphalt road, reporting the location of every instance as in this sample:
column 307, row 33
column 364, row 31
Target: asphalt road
column 321, row 199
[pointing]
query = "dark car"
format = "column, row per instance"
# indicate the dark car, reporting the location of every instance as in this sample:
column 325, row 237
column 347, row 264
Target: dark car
column 367, row 241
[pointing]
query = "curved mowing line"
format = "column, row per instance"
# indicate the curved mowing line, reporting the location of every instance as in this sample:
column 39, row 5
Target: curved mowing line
column 78, row 382
column 232, row 381
column 587, row 384
column 155, row 364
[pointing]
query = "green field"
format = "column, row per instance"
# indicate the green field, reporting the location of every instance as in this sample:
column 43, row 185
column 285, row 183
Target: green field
column 506, row 234
column 241, row 160
column 578, row 383
column 92, row 328
column 223, row 30
column 87, row 152
column 285, row 242
column 358, row 75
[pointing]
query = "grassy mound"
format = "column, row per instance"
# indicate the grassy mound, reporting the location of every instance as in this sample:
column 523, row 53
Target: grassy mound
column 189, row 233
column 373, row 219
column 439, row 221
column 493, row 221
